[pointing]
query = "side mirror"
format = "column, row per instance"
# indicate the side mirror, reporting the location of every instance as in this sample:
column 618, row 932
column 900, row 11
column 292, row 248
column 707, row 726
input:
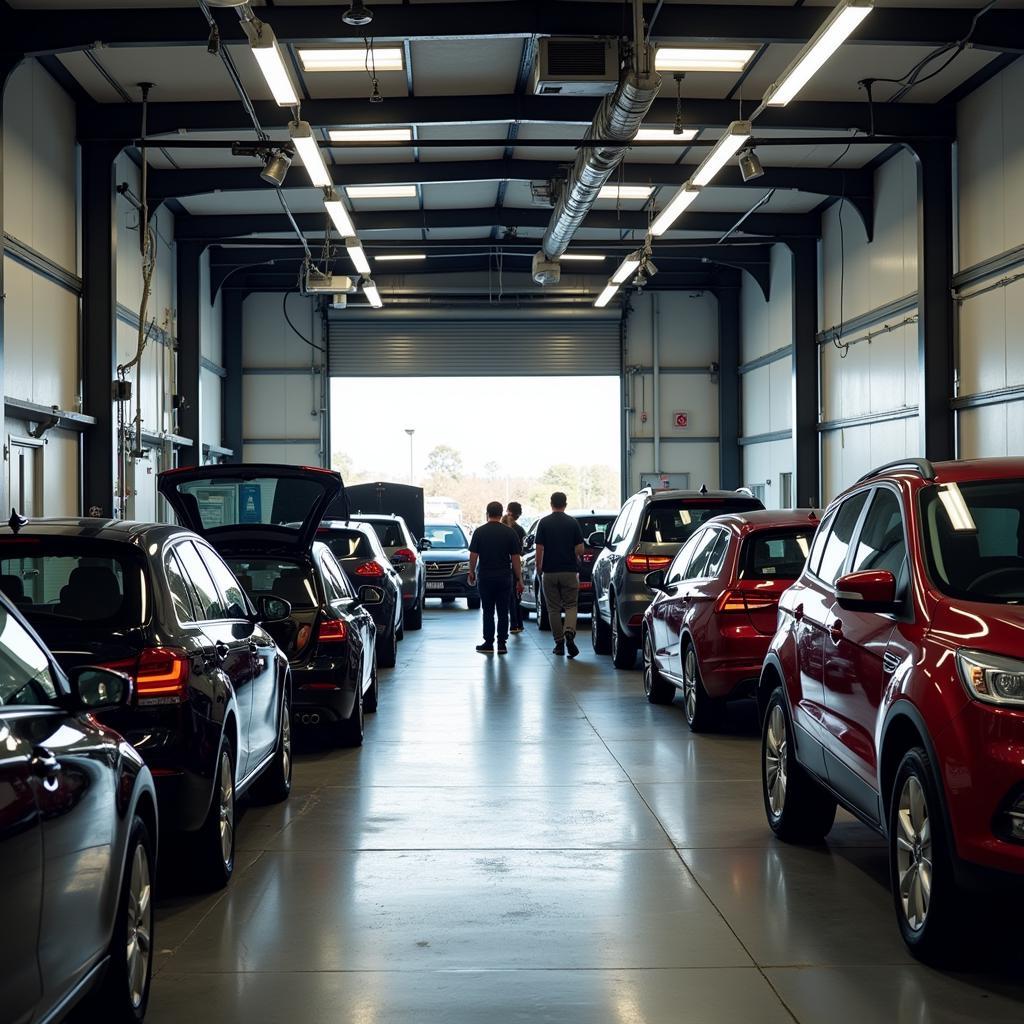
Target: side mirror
column 272, row 609
column 370, row 595
column 598, row 539
column 655, row 580
column 871, row 591
column 529, row 543
column 424, row 545
column 97, row 688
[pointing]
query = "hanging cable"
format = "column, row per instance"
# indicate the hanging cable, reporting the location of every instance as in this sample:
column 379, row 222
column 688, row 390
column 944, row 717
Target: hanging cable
column 288, row 320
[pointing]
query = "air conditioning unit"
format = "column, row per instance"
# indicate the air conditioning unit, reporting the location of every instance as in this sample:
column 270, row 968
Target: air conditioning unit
column 576, row 67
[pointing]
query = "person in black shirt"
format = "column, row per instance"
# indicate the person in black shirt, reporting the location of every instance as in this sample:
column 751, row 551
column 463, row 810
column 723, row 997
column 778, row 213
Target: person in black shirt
column 511, row 519
column 496, row 550
column 559, row 549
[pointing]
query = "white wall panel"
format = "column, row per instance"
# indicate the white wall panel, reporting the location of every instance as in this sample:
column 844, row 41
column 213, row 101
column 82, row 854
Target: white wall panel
column 210, row 411
column 767, row 325
column 286, row 454
column 850, row 453
column 991, row 352
column 992, row 430
column 280, row 406
column 699, row 460
column 763, row 464
column 268, row 340
column 60, row 474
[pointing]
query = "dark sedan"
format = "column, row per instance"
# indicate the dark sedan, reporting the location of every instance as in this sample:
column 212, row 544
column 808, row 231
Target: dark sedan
column 447, row 561
column 78, row 839
column 327, row 635
column 158, row 603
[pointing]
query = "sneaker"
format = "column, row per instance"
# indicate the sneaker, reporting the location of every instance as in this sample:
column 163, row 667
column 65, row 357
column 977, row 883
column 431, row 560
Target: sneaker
column 502, row 648
column 485, row 649
column 570, row 643
column 559, row 648
column 516, row 629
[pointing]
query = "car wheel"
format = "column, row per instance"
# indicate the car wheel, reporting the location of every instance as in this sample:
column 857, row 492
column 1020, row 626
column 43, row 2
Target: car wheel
column 543, row 619
column 623, row 647
column 473, row 603
column 413, row 618
column 401, row 628
column 216, row 854
column 276, row 781
column 657, row 688
column 349, row 731
column 387, row 649
column 371, row 696
column 600, row 634
column 702, row 711
column 799, row 810
column 124, row 992
column 929, row 907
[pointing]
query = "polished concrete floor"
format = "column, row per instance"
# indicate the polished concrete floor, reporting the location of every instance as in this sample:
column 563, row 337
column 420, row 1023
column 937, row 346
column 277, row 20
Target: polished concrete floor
column 526, row 839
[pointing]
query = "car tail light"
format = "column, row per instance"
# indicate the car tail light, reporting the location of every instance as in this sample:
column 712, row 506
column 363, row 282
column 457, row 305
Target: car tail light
column 369, row 569
column 585, row 585
column 332, row 631
column 404, row 556
column 160, row 674
column 588, row 556
column 637, row 562
column 732, row 600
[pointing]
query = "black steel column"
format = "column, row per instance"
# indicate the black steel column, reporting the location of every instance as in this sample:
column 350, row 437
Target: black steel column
column 806, row 449
column 231, row 341
column 729, row 407
column 936, row 325
column 99, row 325
column 190, row 347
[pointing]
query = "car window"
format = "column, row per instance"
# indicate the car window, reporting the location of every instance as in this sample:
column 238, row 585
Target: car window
column 677, row 570
column 674, row 522
column 235, row 606
column 833, row 558
column 25, row 673
column 775, row 554
column 717, row 556
column 618, row 531
column 881, row 544
column 446, row 537
column 179, row 589
column 697, row 568
column 335, row 578
column 818, row 544
column 347, row 543
column 208, row 600
column 275, row 577
column 593, row 524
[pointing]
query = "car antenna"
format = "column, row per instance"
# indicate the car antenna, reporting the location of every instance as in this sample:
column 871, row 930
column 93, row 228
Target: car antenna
column 703, row 489
column 813, row 515
column 16, row 522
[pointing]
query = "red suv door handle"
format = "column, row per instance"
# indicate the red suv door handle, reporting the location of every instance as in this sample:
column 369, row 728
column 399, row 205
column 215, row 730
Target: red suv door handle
column 836, row 631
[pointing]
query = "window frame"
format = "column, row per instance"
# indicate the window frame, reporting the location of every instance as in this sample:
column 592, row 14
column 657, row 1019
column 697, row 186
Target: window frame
column 57, row 678
column 854, row 536
column 199, row 604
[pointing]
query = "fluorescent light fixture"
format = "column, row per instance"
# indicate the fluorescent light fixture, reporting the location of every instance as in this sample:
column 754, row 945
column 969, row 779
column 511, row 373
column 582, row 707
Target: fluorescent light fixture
column 846, row 16
column 733, row 138
column 395, row 257
column 625, row 191
column 381, row 191
column 352, row 58
column 271, row 62
column 606, row 296
column 665, row 135
column 583, row 257
column 371, row 135
column 701, row 58
column 308, row 149
column 357, row 256
column 960, row 517
column 338, row 212
column 677, row 204
column 371, row 293
column 626, row 269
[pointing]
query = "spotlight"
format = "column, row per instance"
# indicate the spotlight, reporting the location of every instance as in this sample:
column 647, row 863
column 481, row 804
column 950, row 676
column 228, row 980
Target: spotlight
column 358, row 14
column 750, row 166
column 276, row 168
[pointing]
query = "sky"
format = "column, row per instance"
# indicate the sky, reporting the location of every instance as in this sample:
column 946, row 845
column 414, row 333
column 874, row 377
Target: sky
column 524, row 424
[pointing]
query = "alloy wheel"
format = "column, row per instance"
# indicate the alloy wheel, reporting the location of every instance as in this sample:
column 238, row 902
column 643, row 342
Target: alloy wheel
column 690, row 684
column 648, row 665
column 286, row 741
column 914, row 853
column 140, row 926
column 227, row 810
column 775, row 760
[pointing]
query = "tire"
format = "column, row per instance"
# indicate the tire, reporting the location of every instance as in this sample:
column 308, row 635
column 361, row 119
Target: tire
column 657, row 688
column 401, row 628
column 349, row 731
column 798, row 809
column 216, row 839
column 413, row 618
column 372, row 695
column 703, row 713
column 600, row 633
column 624, row 648
column 275, row 783
column 932, row 923
column 473, row 603
column 543, row 619
column 387, row 649
column 122, row 996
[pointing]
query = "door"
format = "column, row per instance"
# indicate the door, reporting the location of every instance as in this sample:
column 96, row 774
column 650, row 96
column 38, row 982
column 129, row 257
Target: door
column 704, row 587
column 666, row 614
column 25, row 475
column 362, row 636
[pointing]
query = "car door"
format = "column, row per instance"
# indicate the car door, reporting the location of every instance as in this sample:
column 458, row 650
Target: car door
column 704, row 588
column 669, row 608
column 855, row 676
column 342, row 598
column 602, row 574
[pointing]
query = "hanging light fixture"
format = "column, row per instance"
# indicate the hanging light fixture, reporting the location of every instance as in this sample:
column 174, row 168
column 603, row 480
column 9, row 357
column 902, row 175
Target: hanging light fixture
column 357, row 15
column 276, row 167
column 750, row 165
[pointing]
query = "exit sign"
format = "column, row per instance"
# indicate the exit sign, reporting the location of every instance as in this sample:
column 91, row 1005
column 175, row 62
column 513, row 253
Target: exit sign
column 682, row 420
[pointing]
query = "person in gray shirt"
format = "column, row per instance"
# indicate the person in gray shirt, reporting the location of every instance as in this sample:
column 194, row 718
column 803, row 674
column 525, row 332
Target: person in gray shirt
column 559, row 549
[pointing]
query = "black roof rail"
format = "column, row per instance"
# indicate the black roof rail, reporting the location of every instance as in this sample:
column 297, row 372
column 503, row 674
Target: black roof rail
column 922, row 466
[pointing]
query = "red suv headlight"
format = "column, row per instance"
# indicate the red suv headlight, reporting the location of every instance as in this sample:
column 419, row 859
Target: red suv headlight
column 992, row 678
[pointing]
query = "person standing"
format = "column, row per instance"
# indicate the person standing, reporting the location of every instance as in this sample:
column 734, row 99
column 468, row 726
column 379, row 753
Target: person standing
column 496, row 550
column 559, row 549
column 511, row 519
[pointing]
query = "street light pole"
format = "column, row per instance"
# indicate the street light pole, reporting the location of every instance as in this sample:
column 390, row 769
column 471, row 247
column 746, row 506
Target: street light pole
column 410, row 431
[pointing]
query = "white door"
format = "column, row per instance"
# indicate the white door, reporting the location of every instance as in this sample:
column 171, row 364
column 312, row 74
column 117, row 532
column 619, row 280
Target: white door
column 24, row 481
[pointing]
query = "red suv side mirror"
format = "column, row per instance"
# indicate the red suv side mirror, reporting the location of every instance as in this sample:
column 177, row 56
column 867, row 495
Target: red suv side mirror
column 871, row 591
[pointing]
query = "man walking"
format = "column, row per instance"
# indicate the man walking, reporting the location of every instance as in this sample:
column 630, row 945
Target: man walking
column 496, row 549
column 559, row 549
column 511, row 519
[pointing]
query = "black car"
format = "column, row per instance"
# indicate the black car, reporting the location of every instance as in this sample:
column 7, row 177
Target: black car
column 358, row 550
column 78, row 839
column 590, row 521
column 447, row 561
column 210, row 717
column 327, row 634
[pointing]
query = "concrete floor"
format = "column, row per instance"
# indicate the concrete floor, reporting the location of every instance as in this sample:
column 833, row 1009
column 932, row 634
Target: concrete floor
column 524, row 839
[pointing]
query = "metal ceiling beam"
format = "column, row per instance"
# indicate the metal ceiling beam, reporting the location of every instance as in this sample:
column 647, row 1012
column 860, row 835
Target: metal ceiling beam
column 121, row 120
column 40, row 32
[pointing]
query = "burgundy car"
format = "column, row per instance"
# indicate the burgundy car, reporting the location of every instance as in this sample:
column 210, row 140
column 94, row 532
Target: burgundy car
column 714, row 611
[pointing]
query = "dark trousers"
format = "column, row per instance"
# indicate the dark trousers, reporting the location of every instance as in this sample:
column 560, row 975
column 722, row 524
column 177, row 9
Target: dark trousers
column 515, row 609
column 494, row 596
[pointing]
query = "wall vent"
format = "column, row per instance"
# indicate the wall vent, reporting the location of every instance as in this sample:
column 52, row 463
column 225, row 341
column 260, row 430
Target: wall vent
column 576, row 67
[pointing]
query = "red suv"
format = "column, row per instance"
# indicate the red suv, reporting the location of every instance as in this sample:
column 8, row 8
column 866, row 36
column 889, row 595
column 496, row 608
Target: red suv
column 895, row 684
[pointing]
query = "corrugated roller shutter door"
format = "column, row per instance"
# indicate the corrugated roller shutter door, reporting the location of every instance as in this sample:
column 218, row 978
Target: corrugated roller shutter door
column 408, row 347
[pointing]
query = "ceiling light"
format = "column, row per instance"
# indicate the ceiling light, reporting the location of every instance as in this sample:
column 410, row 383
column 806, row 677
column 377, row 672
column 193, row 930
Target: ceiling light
column 665, row 135
column 271, row 61
column 832, row 34
column 583, row 257
column 353, row 58
column 606, row 296
column 381, row 191
column 625, row 191
column 371, row 135
column 627, row 268
column 699, row 58
column 357, row 14
column 357, row 256
column 371, row 293
column 750, row 166
column 309, row 153
column 338, row 213
column 396, row 256
column 679, row 202
column 733, row 138
column 276, row 167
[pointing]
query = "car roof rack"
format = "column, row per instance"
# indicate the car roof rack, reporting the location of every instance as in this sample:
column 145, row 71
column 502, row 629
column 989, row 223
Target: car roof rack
column 922, row 466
